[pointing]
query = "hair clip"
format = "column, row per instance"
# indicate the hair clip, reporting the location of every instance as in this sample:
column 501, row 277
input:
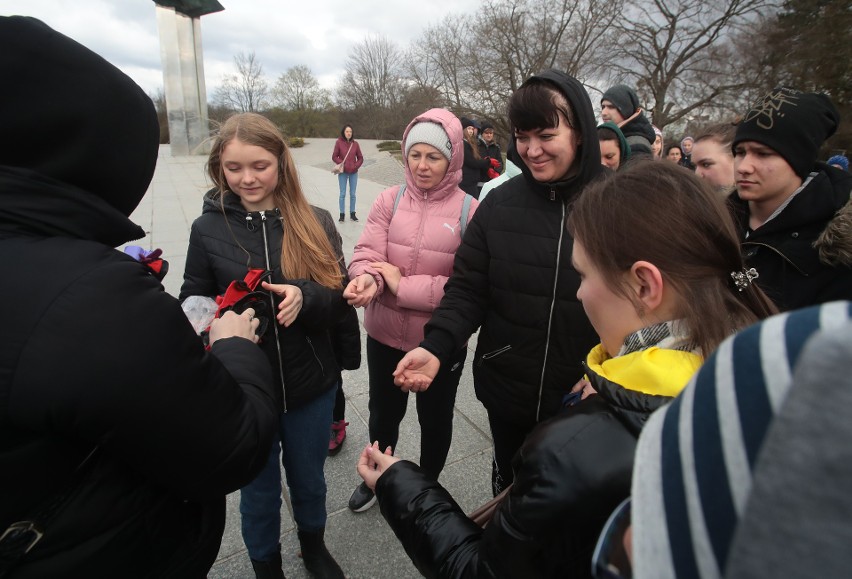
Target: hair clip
column 742, row 279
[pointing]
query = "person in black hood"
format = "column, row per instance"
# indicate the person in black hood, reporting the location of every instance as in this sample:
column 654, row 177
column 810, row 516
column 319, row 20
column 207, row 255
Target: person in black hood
column 512, row 275
column 120, row 435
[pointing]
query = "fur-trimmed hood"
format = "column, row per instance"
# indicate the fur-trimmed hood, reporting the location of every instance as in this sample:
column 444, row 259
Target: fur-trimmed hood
column 835, row 242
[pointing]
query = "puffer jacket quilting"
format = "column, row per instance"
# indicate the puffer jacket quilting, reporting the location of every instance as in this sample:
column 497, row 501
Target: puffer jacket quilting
column 222, row 249
column 421, row 238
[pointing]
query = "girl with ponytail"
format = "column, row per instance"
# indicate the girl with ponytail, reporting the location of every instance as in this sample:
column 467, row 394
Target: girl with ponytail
column 663, row 283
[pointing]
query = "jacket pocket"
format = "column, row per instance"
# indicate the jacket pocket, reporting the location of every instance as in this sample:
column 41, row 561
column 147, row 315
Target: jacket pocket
column 317, row 358
column 494, row 353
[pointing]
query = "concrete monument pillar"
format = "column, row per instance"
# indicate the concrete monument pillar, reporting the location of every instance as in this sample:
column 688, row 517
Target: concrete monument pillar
column 179, row 24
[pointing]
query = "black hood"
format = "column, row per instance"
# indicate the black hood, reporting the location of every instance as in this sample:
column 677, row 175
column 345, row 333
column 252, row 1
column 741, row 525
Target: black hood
column 588, row 153
column 72, row 117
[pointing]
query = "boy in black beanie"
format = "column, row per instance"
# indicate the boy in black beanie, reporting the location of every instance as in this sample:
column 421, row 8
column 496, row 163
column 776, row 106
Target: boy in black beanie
column 794, row 213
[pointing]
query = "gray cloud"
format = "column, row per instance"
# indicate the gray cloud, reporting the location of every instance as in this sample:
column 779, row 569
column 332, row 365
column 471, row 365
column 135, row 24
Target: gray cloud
column 315, row 33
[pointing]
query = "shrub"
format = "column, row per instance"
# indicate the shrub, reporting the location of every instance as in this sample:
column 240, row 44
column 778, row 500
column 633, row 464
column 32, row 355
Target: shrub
column 390, row 146
column 297, row 142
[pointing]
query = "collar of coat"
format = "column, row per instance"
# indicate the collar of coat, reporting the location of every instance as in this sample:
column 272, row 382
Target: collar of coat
column 654, row 370
column 35, row 204
column 827, row 197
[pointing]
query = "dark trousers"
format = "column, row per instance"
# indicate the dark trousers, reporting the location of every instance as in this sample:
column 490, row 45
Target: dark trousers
column 434, row 406
column 339, row 402
column 508, row 438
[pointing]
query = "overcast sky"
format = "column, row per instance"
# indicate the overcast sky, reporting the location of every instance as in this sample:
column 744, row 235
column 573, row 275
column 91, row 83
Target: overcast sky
column 282, row 33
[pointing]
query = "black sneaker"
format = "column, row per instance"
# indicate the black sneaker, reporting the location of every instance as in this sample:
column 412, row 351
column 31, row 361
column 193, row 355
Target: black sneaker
column 362, row 499
column 342, row 218
column 353, row 217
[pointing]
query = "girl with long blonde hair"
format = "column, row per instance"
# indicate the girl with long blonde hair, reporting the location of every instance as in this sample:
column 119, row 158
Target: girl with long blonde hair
column 257, row 217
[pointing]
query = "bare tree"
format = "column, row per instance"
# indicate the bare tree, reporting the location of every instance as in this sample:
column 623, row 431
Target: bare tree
column 246, row 91
column 298, row 90
column 159, row 99
column 679, row 54
column 302, row 103
column 478, row 62
column 373, row 85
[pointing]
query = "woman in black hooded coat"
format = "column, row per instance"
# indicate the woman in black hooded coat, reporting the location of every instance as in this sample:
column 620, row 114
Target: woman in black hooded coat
column 512, row 275
column 96, row 356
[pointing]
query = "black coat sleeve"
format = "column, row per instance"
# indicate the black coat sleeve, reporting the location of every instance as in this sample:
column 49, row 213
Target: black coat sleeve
column 466, row 293
column 198, row 277
column 128, row 373
column 438, row 537
column 569, row 476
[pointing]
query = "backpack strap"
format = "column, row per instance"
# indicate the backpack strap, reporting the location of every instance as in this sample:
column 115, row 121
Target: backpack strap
column 399, row 195
column 464, row 212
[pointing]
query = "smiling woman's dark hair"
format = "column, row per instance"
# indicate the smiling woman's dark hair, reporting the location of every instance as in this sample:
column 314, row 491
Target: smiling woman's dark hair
column 343, row 132
column 537, row 105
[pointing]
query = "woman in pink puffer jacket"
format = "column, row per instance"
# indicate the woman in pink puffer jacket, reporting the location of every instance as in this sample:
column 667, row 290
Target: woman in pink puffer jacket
column 401, row 263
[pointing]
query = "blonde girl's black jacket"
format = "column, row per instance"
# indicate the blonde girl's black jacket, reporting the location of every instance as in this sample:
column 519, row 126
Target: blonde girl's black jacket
column 223, row 246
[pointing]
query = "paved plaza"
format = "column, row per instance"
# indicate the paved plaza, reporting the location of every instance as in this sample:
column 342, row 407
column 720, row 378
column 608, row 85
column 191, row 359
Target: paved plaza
column 362, row 543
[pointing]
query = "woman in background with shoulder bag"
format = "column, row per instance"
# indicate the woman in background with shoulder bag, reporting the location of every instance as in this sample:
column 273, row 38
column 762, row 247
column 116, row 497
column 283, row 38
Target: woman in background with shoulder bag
column 347, row 158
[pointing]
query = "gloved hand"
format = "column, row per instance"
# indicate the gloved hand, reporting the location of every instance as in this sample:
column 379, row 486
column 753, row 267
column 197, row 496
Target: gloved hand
column 495, row 164
column 492, row 174
column 151, row 259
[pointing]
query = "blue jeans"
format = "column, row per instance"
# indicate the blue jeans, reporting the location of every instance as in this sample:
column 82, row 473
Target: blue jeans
column 342, row 178
column 303, row 446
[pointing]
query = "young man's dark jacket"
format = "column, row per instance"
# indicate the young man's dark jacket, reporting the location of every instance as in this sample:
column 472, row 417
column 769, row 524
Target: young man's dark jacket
column 96, row 355
column 512, row 276
column 804, row 255
column 223, row 248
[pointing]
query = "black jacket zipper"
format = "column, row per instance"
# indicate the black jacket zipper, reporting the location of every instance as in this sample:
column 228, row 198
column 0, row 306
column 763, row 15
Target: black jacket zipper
column 273, row 321
column 552, row 306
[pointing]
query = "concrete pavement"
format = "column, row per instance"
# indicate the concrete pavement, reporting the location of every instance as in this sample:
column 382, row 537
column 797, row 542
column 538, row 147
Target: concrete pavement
column 362, row 543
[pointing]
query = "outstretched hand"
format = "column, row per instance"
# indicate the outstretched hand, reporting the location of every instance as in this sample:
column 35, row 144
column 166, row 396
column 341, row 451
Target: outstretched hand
column 360, row 291
column 416, row 370
column 291, row 301
column 372, row 463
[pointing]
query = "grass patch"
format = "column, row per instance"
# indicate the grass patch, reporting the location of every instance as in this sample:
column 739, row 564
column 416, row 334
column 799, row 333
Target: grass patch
column 389, row 146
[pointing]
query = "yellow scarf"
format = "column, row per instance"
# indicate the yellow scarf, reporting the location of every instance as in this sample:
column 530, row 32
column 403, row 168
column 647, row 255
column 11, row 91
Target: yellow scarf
column 657, row 371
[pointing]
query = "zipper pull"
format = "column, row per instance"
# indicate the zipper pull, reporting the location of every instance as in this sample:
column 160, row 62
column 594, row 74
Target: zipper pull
column 552, row 194
column 263, row 215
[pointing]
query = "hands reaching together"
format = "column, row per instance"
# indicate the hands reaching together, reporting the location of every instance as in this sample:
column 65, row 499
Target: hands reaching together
column 416, row 370
column 360, row 291
column 390, row 273
column 372, row 463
